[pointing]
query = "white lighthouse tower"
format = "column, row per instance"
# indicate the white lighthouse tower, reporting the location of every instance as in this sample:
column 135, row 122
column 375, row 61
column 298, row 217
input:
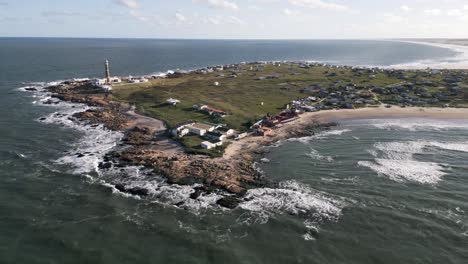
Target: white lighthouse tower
column 108, row 77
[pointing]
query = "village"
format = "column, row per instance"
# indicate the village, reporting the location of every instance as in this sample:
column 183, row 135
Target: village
column 206, row 129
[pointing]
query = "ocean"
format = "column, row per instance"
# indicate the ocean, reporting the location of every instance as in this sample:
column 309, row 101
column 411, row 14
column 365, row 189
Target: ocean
column 367, row 191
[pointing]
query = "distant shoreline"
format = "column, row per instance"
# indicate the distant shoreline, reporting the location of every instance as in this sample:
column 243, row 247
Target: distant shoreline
column 461, row 64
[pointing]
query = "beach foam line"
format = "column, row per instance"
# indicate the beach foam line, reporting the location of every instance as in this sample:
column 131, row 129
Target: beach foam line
column 414, row 124
column 460, row 61
column 320, row 135
column 396, row 160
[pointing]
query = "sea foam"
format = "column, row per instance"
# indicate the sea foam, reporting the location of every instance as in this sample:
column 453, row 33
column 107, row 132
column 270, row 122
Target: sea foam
column 412, row 124
column 292, row 197
column 396, row 160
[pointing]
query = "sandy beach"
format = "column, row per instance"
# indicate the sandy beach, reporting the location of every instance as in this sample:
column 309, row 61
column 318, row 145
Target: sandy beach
column 252, row 143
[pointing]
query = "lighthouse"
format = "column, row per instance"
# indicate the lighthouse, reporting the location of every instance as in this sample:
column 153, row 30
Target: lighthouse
column 108, row 77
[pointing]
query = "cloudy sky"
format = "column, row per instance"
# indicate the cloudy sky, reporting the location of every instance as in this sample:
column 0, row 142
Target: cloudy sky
column 239, row 19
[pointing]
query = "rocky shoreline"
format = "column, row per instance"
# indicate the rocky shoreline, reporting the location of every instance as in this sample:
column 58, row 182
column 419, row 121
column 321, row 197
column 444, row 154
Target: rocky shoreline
column 147, row 144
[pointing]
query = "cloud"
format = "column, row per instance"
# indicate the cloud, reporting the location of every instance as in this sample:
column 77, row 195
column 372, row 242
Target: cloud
column 132, row 4
column 148, row 19
column 61, row 13
column 180, row 17
column 465, row 7
column 224, row 20
column 392, row 18
column 235, row 20
column 290, row 12
column 319, row 4
column 405, row 8
column 221, row 4
column 455, row 13
column 433, row 12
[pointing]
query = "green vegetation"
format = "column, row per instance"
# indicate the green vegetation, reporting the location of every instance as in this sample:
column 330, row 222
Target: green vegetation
column 242, row 96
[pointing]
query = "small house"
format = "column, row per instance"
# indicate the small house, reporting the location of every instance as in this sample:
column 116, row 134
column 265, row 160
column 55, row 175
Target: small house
column 172, row 101
column 200, row 129
column 216, row 135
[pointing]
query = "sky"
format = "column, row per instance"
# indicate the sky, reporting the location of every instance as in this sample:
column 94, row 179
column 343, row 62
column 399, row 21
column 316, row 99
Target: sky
column 235, row 19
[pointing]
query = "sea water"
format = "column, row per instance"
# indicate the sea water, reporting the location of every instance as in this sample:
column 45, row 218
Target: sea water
column 368, row 191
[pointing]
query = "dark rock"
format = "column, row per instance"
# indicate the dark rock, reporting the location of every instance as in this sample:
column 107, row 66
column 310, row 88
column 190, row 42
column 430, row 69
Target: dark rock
column 229, row 202
column 120, row 187
column 198, row 191
column 31, row 89
column 138, row 191
column 134, row 191
column 105, row 165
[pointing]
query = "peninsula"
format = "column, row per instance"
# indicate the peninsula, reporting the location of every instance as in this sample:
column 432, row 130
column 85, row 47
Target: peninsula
column 208, row 126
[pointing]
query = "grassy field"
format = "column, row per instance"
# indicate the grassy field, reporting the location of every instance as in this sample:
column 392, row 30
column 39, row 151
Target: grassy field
column 242, row 97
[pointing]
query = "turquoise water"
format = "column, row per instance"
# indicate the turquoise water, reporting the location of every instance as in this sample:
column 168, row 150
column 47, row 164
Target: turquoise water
column 369, row 191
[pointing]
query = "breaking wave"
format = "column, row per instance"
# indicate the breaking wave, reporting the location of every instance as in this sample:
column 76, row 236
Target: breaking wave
column 459, row 61
column 396, row 160
column 321, row 135
column 412, row 124
column 292, row 197
column 315, row 155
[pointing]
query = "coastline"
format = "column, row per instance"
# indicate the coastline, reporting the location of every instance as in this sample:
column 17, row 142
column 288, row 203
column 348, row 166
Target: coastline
column 146, row 141
column 459, row 62
column 297, row 127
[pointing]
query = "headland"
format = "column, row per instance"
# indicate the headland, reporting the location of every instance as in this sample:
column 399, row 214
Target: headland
column 209, row 126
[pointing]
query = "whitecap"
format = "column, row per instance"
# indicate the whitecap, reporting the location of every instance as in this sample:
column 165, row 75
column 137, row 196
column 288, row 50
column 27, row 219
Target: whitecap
column 396, row 161
column 315, row 155
column 412, row 124
column 291, row 197
column 321, row 135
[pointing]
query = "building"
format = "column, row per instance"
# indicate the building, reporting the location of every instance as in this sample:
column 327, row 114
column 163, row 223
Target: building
column 99, row 82
column 216, row 135
column 213, row 111
column 228, row 131
column 207, row 145
column 241, row 135
column 200, row 128
column 108, row 78
column 211, row 144
column 181, row 130
column 172, row 101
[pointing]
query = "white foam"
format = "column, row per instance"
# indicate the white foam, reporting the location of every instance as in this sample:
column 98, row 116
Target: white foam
column 396, row 161
column 291, row 197
column 459, row 61
column 159, row 190
column 321, row 135
column 412, row 124
column 458, row 146
column 314, row 154
column 95, row 142
column 411, row 170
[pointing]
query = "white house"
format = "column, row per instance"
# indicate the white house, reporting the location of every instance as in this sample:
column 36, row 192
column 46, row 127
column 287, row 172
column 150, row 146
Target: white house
column 211, row 144
column 115, row 80
column 181, row 130
column 207, row 145
column 200, row 128
column 99, row 82
column 172, row 101
column 106, row 88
